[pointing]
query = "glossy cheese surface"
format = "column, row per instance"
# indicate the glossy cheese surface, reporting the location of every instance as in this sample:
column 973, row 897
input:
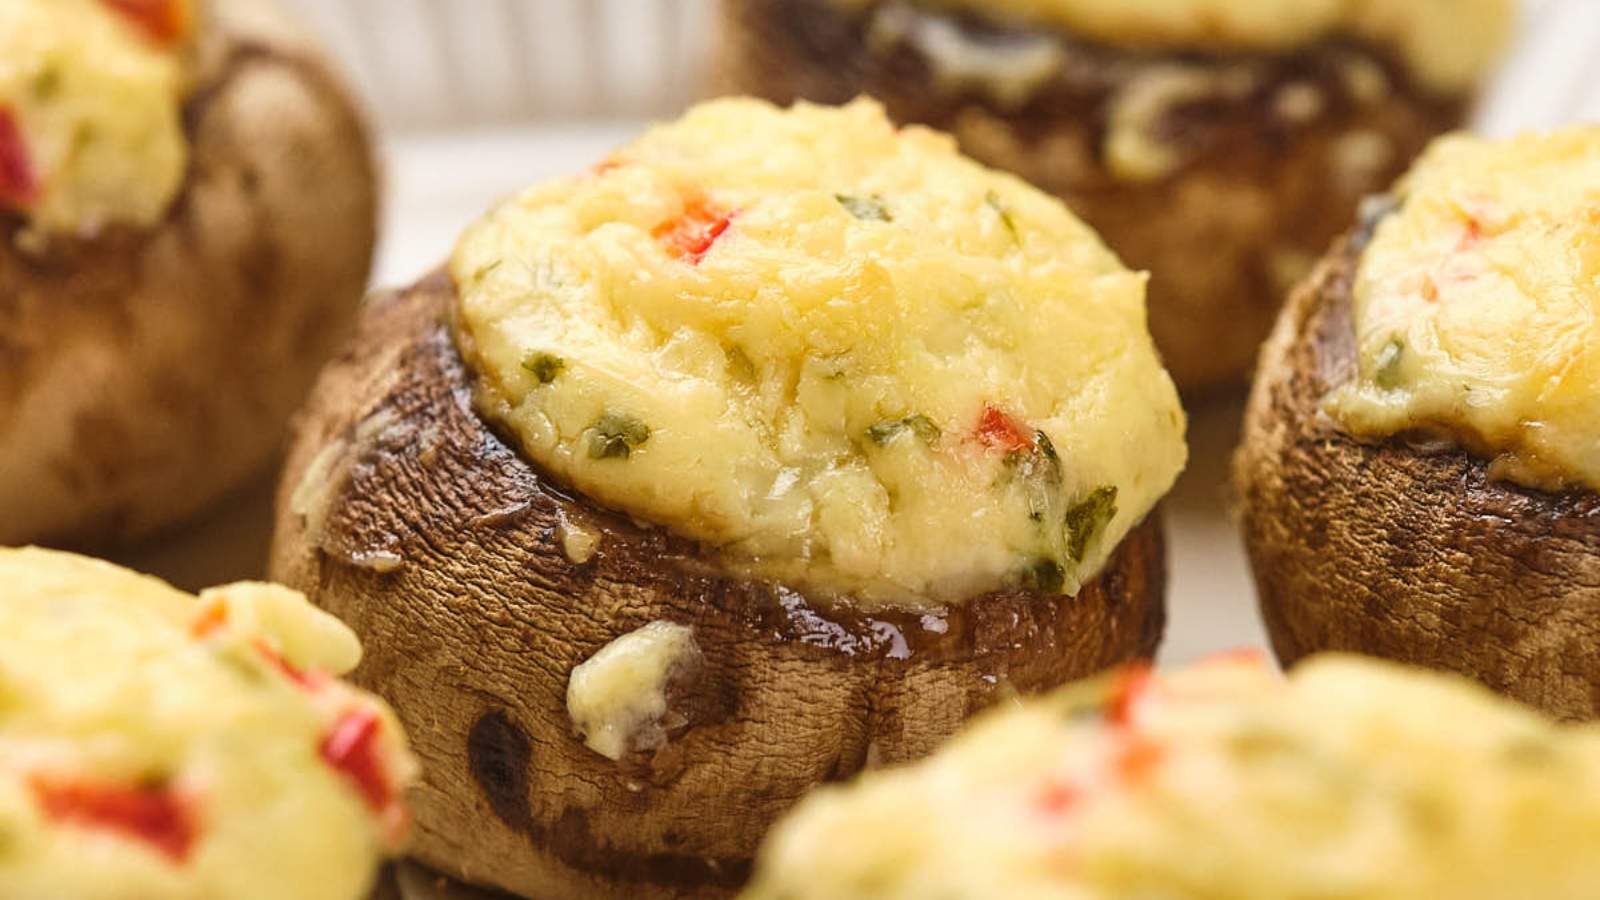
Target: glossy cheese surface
column 838, row 352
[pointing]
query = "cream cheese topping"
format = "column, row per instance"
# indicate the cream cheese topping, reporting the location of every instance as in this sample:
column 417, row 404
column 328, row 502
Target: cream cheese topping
column 1351, row 780
column 1476, row 306
column 162, row 746
column 837, row 351
column 618, row 698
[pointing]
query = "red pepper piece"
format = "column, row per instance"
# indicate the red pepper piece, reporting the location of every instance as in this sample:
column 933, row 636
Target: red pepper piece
column 308, row 680
column 155, row 815
column 1058, row 797
column 209, row 621
column 1132, row 685
column 690, row 236
column 1137, row 758
column 19, row 185
column 998, row 430
column 352, row 748
column 165, row 22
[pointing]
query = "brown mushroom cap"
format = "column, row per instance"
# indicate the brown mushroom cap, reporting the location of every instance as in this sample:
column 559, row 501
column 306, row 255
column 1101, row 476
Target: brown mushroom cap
column 1406, row 551
column 404, row 514
column 1261, row 193
column 145, row 373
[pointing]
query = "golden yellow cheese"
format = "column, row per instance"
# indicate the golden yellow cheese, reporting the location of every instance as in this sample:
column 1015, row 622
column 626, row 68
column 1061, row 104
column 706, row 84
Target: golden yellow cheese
column 167, row 747
column 91, row 93
column 1351, row 780
column 617, row 698
column 1447, row 44
column 838, row 351
column 1476, row 307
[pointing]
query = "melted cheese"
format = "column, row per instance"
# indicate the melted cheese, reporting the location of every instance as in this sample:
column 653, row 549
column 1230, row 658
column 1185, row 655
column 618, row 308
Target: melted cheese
column 1446, row 43
column 839, row 352
column 1476, row 307
column 1352, row 780
column 617, row 698
column 90, row 113
column 158, row 745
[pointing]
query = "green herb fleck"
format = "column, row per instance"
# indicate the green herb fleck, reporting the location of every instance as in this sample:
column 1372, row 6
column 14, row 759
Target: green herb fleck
column 544, row 366
column 919, row 425
column 46, row 82
column 483, row 271
column 871, row 208
column 740, row 364
column 993, row 199
column 1044, row 575
column 615, row 435
column 1087, row 518
column 1386, row 371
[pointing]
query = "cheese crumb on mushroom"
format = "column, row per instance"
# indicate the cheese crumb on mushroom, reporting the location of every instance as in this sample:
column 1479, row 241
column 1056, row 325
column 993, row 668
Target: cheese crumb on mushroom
column 618, row 698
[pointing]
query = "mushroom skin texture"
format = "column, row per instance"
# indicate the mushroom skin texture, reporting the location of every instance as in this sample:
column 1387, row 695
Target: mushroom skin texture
column 1253, row 197
column 146, row 372
column 403, row 513
column 1405, row 550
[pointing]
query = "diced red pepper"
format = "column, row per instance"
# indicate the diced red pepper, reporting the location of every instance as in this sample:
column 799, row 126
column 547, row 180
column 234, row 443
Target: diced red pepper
column 165, row 22
column 1058, row 797
column 156, row 816
column 690, row 236
column 309, row 680
column 19, row 185
column 212, row 618
column 1132, row 685
column 352, row 749
column 1136, row 758
column 998, row 430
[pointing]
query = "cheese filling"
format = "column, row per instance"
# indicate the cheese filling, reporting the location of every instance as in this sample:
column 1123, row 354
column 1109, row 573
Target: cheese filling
column 1352, row 779
column 1447, row 44
column 838, row 352
column 162, row 746
column 1476, row 307
column 91, row 93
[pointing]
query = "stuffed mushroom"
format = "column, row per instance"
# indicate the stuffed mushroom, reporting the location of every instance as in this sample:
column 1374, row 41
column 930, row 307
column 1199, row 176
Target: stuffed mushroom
column 187, row 214
column 164, row 746
column 766, row 450
column 1352, row 779
column 1219, row 144
column 1418, row 471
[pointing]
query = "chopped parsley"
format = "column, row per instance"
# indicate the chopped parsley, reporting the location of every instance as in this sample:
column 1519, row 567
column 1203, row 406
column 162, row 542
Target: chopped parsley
column 919, row 425
column 993, row 200
column 1087, row 518
column 544, row 366
column 616, row 435
column 1044, row 575
column 1386, row 370
column 868, row 209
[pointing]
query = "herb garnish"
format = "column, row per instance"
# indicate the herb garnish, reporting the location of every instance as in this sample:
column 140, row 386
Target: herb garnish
column 918, row 424
column 544, row 366
column 993, row 199
column 1044, row 575
column 1386, row 372
column 1087, row 518
column 871, row 208
column 615, row 435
